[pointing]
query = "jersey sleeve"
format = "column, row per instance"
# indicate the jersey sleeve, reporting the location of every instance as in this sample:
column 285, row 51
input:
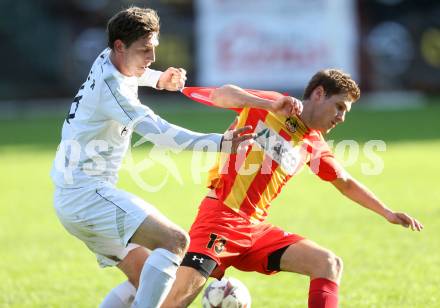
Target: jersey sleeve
column 121, row 104
column 149, row 78
column 164, row 134
column 323, row 162
column 202, row 95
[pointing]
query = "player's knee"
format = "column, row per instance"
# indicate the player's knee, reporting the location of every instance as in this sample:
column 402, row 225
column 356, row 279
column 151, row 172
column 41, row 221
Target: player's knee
column 337, row 266
column 182, row 241
column 333, row 266
column 329, row 266
column 178, row 242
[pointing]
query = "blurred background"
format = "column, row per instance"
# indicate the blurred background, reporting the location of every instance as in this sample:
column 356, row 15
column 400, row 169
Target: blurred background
column 387, row 45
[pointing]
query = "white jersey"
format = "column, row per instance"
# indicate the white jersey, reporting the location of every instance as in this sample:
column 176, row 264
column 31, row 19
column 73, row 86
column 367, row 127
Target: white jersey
column 97, row 131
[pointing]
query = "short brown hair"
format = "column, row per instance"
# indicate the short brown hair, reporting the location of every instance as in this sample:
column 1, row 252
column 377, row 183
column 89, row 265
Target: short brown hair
column 131, row 24
column 334, row 82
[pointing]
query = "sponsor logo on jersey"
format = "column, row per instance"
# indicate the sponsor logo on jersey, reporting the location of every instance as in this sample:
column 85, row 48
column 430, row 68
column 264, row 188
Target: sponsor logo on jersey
column 277, row 148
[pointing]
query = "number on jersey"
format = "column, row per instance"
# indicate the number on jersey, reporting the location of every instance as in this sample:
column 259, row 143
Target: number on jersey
column 78, row 97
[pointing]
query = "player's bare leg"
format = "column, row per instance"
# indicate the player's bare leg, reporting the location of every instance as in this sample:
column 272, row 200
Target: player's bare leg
column 168, row 243
column 322, row 266
column 157, row 231
column 308, row 258
column 132, row 264
column 189, row 282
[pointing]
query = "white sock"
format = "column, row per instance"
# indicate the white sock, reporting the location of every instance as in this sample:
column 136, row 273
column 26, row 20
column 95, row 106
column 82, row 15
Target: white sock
column 121, row 296
column 157, row 277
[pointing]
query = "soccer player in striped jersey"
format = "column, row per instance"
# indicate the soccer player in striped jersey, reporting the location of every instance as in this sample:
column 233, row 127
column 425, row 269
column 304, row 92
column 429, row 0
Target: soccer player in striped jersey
column 116, row 225
column 229, row 229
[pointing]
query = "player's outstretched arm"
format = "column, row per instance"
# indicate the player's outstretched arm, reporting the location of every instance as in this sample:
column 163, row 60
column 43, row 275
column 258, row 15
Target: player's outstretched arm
column 164, row 134
column 357, row 192
column 231, row 96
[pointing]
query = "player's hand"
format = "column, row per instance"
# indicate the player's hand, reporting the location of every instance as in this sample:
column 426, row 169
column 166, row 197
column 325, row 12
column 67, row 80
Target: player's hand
column 404, row 220
column 235, row 139
column 173, row 79
column 287, row 106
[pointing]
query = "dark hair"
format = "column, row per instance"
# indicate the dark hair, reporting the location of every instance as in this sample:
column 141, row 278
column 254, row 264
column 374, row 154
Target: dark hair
column 131, row 24
column 334, row 82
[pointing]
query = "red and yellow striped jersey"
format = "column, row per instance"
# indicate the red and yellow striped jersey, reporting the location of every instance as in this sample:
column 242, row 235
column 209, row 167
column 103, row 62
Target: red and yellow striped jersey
column 249, row 180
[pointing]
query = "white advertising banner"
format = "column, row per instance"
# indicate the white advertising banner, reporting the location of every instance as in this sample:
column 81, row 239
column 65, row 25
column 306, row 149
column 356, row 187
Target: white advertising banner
column 275, row 44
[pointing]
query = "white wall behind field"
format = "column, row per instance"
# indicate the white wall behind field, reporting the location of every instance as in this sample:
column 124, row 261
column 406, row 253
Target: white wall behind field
column 274, row 44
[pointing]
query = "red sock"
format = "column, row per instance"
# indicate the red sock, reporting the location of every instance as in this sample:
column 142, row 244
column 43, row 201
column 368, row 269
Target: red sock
column 323, row 293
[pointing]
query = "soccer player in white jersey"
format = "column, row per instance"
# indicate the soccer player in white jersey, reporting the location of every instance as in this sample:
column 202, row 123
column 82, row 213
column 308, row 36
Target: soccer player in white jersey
column 116, row 225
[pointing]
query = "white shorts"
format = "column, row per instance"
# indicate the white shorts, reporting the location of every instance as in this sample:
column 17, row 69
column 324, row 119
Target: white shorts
column 103, row 217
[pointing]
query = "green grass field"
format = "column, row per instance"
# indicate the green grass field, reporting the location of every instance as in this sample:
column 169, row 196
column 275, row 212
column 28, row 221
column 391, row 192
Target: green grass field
column 386, row 266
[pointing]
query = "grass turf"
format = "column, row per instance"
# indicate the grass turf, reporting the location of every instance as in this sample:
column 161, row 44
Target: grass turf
column 385, row 266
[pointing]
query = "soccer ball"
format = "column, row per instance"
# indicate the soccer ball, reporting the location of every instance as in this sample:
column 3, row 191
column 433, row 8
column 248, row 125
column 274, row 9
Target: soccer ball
column 226, row 293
